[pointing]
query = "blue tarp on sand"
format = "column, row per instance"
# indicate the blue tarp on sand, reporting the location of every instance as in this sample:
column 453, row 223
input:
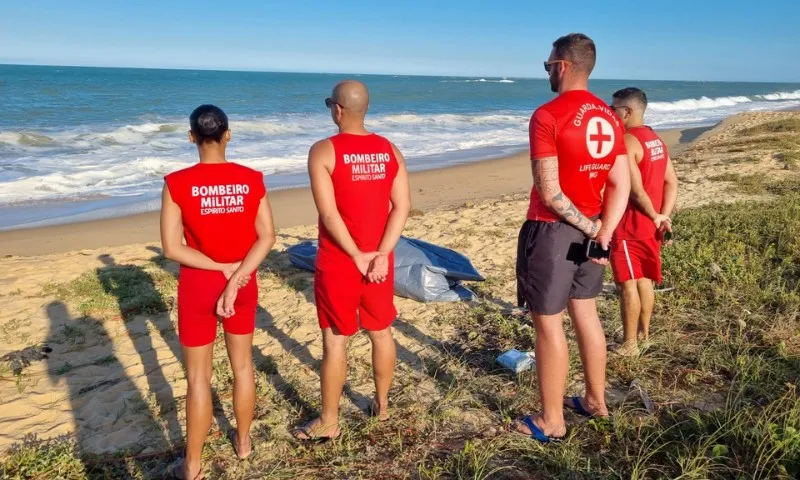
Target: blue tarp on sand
column 423, row 271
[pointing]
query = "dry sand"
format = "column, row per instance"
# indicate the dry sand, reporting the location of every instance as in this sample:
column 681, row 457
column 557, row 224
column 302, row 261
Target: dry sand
column 113, row 380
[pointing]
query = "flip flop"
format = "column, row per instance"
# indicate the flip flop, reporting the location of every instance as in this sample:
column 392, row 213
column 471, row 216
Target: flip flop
column 310, row 437
column 577, row 406
column 233, row 437
column 537, row 433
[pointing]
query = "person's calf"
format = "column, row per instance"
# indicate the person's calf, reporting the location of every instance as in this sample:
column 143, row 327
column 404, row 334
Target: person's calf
column 333, row 373
column 630, row 309
column 384, row 359
column 647, row 299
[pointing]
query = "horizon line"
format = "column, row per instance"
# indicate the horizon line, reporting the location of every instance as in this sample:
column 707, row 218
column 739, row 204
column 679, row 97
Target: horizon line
column 231, row 70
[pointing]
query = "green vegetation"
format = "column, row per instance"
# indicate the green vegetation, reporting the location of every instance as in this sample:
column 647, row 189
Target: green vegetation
column 783, row 125
column 118, row 291
column 780, row 137
column 754, row 184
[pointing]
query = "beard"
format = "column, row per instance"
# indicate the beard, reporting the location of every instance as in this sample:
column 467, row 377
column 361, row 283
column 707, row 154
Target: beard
column 554, row 81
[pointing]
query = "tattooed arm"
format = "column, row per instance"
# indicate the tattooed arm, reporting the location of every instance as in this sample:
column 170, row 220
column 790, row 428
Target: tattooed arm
column 545, row 177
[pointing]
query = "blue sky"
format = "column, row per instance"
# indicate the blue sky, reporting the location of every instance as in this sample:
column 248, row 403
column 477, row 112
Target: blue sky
column 673, row 40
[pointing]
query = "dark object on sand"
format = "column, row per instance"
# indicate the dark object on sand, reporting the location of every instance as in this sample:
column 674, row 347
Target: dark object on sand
column 422, row 271
column 23, row 358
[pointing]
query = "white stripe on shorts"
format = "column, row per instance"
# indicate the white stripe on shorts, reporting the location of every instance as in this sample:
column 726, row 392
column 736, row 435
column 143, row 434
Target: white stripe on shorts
column 628, row 258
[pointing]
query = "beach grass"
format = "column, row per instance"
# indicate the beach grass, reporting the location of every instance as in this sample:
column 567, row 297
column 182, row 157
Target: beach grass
column 780, row 138
column 119, row 291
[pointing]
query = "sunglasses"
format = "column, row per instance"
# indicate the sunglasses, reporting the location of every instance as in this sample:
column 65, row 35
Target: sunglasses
column 617, row 107
column 330, row 103
column 548, row 65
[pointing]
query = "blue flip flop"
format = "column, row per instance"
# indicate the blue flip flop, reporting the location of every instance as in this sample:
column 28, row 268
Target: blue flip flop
column 578, row 407
column 537, row 433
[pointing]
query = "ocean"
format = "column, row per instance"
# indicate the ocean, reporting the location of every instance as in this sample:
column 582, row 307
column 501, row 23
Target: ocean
column 87, row 143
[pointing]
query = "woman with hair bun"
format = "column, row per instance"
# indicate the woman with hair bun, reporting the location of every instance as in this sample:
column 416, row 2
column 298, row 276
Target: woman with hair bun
column 222, row 210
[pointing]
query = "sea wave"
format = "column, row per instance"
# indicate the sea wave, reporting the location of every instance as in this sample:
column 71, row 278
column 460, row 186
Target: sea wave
column 781, row 96
column 689, row 104
column 124, row 160
column 480, row 80
column 449, row 119
column 132, row 159
column 704, row 103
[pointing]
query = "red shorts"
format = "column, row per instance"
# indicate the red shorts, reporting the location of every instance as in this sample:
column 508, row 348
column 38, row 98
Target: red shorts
column 635, row 259
column 346, row 299
column 198, row 292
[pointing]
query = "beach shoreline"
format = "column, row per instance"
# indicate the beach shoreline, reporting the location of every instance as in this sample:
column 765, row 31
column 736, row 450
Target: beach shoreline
column 430, row 189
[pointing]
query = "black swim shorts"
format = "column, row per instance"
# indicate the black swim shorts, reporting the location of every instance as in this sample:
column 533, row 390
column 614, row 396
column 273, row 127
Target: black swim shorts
column 552, row 267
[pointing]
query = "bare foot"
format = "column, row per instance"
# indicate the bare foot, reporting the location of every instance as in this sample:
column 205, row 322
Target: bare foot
column 582, row 404
column 180, row 471
column 380, row 411
column 627, row 350
column 315, row 431
column 242, row 447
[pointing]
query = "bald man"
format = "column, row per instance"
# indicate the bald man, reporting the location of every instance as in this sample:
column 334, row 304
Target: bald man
column 360, row 186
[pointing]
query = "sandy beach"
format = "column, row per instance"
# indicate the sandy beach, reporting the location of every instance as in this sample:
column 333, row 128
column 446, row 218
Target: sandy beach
column 101, row 297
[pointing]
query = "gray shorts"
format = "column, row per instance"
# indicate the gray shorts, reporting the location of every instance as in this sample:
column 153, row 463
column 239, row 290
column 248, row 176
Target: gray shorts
column 552, row 267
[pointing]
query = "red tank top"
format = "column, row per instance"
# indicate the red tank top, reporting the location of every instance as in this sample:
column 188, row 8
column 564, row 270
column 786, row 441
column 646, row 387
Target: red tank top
column 218, row 203
column 362, row 178
column 635, row 225
column 586, row 136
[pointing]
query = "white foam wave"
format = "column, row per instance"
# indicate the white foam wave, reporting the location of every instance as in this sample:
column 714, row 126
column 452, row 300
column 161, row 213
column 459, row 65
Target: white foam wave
column 266, row 127
column 135, row 177
column 447, row 119
column 781, row 96
column 144, row 133
column 705, row 103
column 479, row 80
column 132, row 159
column 697, row 104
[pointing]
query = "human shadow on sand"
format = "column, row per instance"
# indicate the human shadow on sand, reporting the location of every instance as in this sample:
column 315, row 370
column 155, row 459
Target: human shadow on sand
column 110, row 414
column 145, row 313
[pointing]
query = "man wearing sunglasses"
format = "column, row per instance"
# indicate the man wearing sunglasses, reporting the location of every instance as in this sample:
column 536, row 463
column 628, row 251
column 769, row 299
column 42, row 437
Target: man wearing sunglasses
column 581, row 186
column 636, row 248
column 361, row 191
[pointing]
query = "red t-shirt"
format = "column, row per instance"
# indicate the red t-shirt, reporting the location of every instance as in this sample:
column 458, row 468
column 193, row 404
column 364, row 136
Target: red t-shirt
column 219, row 203
column 587, row 137
column 635, row 225
column 362, row 178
